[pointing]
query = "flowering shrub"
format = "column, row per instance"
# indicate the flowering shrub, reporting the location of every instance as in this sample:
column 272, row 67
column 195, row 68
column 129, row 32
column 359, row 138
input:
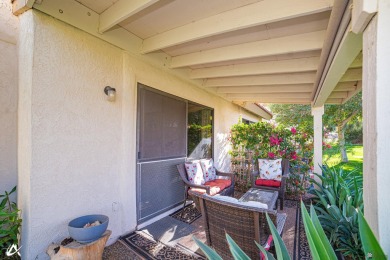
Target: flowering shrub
column 268, row 141
column 264, row 140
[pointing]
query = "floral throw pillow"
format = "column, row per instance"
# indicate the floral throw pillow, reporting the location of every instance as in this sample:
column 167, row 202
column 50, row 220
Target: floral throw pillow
column 208, row 169
column 270, row 169
column 194, row 173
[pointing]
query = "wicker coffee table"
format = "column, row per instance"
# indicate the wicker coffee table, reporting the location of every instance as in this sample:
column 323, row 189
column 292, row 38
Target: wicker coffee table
column 264, row 196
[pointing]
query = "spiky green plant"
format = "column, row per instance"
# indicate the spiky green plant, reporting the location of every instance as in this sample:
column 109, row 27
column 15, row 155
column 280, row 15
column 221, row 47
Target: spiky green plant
column 338, row 197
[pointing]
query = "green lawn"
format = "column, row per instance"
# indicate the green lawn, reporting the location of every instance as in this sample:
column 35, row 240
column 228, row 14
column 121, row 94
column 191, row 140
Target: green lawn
column 332, row 157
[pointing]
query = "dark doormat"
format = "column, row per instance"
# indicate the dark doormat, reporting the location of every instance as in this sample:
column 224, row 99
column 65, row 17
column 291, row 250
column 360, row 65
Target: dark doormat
column 168, row 230
column 187, row 215
column 145, row 246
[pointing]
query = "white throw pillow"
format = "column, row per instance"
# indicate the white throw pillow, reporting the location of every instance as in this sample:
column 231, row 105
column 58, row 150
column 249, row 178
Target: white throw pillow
column 270, row 169
column 194, row 173
column 208, row 169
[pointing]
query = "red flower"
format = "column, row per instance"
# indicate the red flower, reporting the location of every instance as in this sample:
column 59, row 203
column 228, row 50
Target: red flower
column 293, row 130
column 294, row 155
column 274, row 140
column 328, row 146
column 271, row 155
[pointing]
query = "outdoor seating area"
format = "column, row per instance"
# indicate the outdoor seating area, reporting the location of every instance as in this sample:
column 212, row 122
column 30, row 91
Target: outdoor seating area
column 187, row 129
column 243, row 218
column 209, row 216
column 176, row 237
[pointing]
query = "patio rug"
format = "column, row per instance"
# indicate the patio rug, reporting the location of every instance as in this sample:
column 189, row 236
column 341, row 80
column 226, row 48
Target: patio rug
column 301, row 246
column 147, row 247
column 188, row 215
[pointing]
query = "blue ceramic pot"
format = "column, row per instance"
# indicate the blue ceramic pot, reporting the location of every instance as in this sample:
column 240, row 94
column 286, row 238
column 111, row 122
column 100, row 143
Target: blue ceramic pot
column 89, row 234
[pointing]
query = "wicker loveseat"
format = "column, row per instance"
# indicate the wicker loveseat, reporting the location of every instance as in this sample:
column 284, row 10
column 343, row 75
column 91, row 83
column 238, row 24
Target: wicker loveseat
column 245, row 224
column 282, row 188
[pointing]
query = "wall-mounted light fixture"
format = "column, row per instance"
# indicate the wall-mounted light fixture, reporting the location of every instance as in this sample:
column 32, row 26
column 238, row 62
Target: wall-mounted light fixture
column 110, row 92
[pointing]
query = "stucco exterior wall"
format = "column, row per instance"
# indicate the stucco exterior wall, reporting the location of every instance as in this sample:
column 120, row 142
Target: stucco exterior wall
column 376, row 110
column 80, row 148
column 9, row 96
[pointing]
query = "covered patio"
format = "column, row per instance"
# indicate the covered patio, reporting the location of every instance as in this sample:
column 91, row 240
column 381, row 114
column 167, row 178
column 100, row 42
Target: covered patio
column 79, row 151
column 173, row 235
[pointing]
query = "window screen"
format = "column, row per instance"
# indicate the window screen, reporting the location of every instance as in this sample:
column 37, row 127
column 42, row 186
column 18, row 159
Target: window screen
column 162, row 125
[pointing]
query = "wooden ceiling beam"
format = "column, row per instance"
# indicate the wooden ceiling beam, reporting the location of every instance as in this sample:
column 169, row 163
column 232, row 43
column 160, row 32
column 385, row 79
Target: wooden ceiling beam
column 334, row 101
column 120, row 11
column 276, row 46
column 346, row 86
column 260, row 13
column 359, row 86
column 261, row 80
column 274, row 100
column 269, row 96
column 266, row 89
column 352, row 75
column 358, row 62
column 258, row 68
column 341, row 94
column 21, row 6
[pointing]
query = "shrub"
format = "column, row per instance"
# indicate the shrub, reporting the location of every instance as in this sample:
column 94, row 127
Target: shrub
column 264, row 140
column 9, row 222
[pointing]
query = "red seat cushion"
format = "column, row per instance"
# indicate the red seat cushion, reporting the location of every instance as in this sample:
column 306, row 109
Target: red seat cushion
column 268, row 183
column 213, row 190
column 225, row 182
column 216, row 185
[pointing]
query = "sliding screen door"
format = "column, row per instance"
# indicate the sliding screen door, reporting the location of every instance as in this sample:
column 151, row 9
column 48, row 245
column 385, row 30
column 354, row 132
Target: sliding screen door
column 162, row 138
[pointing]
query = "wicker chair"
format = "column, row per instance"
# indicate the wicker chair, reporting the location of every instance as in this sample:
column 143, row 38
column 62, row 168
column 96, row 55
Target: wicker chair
column 244, row 224
column 282, row 188
column 229, row 191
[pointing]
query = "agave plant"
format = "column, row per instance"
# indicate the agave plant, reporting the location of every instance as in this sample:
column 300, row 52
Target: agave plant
column 337, row 199
column 320, row 247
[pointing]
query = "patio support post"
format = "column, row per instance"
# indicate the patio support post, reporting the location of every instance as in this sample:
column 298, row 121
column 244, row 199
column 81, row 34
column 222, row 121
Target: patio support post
column 376, row 123
column 317, row 113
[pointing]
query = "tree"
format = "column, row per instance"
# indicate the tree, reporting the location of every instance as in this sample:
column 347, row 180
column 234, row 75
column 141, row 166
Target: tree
column 342, row 115
column 294, row 115
column 335, row 116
